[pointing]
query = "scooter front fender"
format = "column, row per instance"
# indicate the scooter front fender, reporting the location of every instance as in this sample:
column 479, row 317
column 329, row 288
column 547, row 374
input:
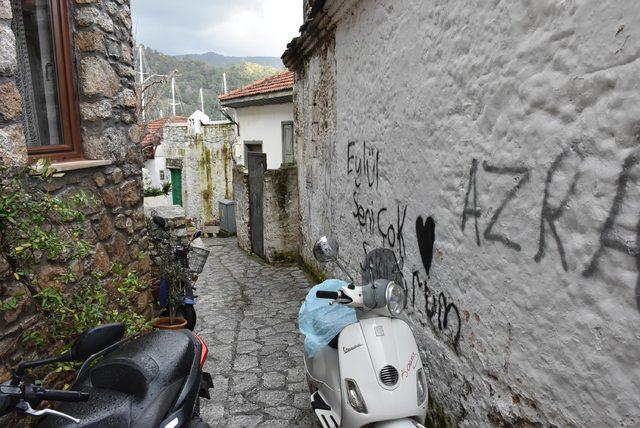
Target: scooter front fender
column 372, row 352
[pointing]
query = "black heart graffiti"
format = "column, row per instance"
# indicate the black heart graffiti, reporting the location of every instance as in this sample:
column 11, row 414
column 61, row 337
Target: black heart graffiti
column 425, row 232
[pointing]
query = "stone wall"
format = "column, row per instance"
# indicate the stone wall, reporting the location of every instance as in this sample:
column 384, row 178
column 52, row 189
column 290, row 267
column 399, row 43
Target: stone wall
column 494, row 147
column 280, row 212
column 115, row 219
column 207, row 162
column 241, row 196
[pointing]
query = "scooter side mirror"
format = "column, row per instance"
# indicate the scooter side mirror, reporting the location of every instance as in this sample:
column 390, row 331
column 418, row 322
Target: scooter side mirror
column 325, row 250
column 95, row 340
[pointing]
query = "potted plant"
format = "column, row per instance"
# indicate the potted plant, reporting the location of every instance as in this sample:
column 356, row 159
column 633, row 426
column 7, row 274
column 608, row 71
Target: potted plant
column 173, row 277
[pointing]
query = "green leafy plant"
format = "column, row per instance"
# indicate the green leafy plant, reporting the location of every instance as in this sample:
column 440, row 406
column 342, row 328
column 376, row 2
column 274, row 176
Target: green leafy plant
column 153, row 191
column 168, row 267
column 39, row 229
column 166, row 187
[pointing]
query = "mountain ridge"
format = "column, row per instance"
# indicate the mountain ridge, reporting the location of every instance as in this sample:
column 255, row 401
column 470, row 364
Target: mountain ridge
column 220, row 60
column 193, row 75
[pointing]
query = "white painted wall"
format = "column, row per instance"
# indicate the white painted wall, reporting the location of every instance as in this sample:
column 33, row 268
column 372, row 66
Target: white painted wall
column 155, row 166
column 263, row 123
column 543, row 97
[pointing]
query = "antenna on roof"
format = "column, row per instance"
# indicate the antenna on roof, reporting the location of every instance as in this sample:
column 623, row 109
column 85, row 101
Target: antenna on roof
column 141, row 81
column 224, row 82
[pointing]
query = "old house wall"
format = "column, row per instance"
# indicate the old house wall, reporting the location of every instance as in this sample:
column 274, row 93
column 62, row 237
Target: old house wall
column 263, row 124
column 207, row 163
column 280, row 213
column 241, row 197
column 509, row 132
column 115, row 220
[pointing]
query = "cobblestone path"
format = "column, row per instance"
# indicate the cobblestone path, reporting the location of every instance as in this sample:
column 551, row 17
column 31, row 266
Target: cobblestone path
column 247, row 316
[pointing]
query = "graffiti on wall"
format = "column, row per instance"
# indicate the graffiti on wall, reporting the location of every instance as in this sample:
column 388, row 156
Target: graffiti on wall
column 385, row 227
column 556, row 198
column 437, row 310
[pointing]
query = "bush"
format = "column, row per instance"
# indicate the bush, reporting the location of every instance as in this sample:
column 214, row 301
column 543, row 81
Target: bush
column 38, row 229
column 153, row 191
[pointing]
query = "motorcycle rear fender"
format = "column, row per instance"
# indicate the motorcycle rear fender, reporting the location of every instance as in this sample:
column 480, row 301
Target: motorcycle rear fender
column 182, row 409
column 364, row 349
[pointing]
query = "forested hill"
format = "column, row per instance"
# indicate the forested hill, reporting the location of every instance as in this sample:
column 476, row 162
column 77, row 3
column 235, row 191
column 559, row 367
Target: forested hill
column 193, row 75
column 219, row 60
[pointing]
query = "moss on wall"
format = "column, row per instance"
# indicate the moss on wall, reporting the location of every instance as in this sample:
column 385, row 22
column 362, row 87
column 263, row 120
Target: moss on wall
column 207, row 185
column 226, row 165
column 437, row 416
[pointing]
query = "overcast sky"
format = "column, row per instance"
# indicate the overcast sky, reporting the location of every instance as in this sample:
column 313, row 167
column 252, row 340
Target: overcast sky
column 228, row 27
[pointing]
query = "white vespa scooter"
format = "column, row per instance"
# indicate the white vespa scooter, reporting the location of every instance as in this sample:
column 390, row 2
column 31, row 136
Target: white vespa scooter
column 374, row 376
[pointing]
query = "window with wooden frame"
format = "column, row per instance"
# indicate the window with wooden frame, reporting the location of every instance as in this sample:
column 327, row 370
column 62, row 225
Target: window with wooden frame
column 46, row 78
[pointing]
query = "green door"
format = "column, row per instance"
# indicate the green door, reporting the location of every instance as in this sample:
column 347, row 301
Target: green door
column 176, row 186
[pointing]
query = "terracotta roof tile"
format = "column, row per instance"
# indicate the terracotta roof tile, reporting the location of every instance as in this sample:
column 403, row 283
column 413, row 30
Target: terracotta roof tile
column 153, row 133
column 279, row 82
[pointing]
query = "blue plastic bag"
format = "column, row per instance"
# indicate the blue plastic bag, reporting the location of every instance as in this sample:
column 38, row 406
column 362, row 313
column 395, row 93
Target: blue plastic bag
column 321, row 322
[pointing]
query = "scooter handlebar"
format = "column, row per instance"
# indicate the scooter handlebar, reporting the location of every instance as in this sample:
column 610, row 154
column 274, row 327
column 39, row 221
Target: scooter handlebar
column 321, row 294
column 37, row 392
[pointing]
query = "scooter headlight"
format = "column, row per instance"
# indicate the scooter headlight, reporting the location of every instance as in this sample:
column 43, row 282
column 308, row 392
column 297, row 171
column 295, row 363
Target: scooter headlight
column 354, row 397
column 396, row 298
column 421, row 383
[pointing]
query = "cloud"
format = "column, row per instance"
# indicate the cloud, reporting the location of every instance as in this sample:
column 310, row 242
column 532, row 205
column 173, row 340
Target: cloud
column 238, row 27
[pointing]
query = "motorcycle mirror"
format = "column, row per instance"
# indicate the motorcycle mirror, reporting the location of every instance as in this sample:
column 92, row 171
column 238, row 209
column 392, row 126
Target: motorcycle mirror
column 196, row 235
column 325, row 250
column 95, row 340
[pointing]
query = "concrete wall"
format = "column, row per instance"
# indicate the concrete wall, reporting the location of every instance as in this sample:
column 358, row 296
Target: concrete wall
column 263, row 123
column 280, row 211
column 206, row 166
column 513, row 128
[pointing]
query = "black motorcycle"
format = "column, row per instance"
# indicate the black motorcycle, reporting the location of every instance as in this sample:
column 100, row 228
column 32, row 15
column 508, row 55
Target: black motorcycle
column 154, row 380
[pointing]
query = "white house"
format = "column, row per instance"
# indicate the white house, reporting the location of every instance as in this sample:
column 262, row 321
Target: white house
column 154, row 158
column 264, row 115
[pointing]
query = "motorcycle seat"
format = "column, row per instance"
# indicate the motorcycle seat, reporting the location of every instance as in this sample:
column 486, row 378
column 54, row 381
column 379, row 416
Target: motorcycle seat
column 133, row 368
column 135, row 385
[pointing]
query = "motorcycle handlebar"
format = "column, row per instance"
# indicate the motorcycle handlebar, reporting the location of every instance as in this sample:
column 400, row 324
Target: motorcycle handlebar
column 327, row 294
column 37, row 392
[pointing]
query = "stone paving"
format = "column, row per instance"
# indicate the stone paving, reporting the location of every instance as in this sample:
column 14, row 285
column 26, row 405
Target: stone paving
column 247, row 316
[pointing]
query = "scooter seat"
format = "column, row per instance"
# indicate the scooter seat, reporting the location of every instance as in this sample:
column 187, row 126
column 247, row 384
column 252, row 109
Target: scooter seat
column 135, row 386
column 133, row 368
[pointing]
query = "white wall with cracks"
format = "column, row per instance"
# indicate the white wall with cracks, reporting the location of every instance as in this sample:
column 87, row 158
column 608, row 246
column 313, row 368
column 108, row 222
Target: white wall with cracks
column 509, row 132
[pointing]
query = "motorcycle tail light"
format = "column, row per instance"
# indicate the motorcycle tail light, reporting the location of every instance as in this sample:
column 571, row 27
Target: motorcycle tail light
column 421, row 384
column 204, row 351
column 354, row 396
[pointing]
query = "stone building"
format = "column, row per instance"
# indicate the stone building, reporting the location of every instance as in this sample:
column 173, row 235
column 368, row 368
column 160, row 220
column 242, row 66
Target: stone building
column 67, row 94
column 200, row 160
column 494, row 147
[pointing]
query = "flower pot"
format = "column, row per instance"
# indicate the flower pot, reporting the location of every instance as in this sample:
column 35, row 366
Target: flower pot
column 164, row 323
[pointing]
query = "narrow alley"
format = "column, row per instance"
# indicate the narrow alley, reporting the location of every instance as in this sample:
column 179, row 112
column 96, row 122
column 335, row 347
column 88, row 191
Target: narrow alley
column 247, row 315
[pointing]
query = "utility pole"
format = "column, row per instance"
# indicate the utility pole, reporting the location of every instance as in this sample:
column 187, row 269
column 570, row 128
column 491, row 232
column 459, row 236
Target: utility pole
column 141, row 81
column 224, row 82
column 173, row 95
column 201, row 101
